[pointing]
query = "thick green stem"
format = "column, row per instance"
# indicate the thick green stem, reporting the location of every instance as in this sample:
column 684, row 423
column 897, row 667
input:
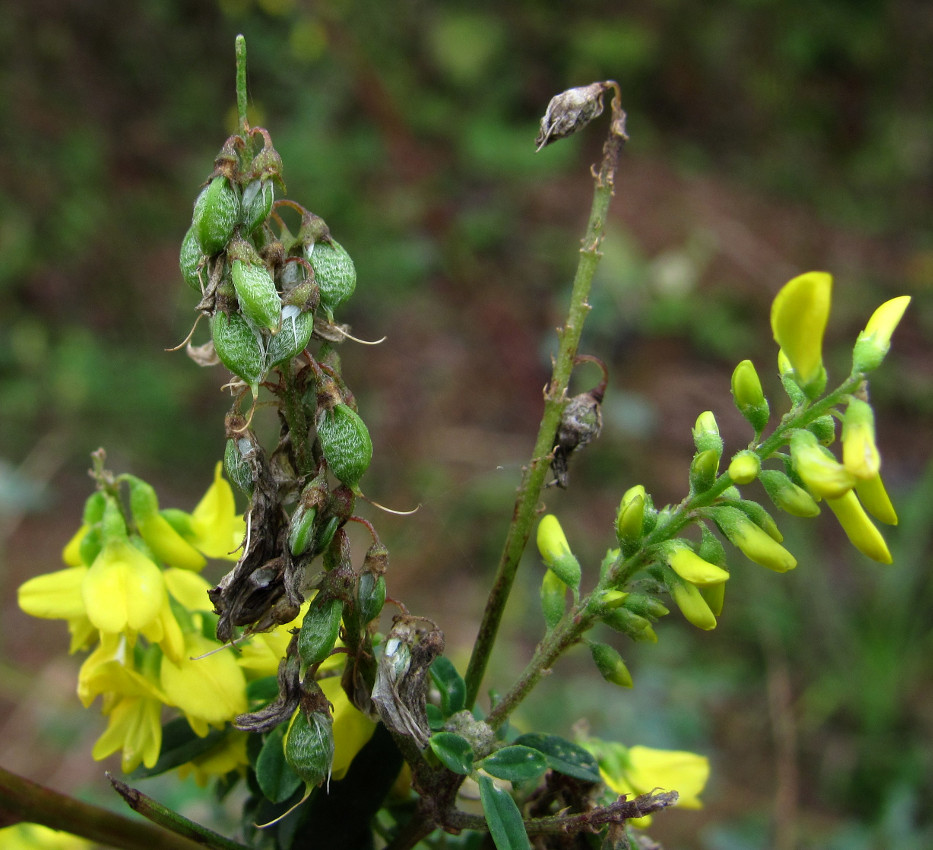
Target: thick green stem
column 555, row 398
column 23, row 800
column 241, row 85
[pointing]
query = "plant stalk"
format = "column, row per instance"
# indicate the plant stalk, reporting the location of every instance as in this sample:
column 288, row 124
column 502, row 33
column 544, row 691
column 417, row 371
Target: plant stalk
column 555, row 398
column 241, row 85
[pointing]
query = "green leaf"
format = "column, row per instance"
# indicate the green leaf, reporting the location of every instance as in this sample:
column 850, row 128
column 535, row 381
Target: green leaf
column 275, row 776
column 451, row 685
column 516, row 764
column 262, row 690
column 502, row 816
column 179, row 745
column 454, row 751
column 562, row 755
column 435, row 717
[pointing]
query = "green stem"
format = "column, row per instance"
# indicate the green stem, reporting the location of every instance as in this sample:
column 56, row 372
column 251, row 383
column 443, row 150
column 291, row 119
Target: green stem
column 241, row 85
column 555, row 398
column 23, row 800
column 293, row 410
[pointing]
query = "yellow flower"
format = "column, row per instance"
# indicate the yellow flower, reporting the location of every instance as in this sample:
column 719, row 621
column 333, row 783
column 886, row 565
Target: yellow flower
column 753, row 541
column 873, row 343
column 166, row 543
column 824, row 476
column 691, row 567
column 352, row 728
column 744, row 467
column 124, row 591
column 798, row 320
column 57, row 596
column 217, row 528
column 860, row 530
column 209, row 690
column 692, row 604
column 875, row 499
column 859, row 451
column 639, row 770
column 134, row 727
column 631, row 516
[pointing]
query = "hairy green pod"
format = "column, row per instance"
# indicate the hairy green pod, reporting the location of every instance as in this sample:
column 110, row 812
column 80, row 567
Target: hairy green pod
column 293, row 337
column 371, row 596
column 236, row 467
column 345, row 443
column 239, row 347
column 256, row 293
column 309, row 745
column 189, row 260
column 301, row 529
column 610, row 665
column 319, row 631
column 216, row 213
column 257, row 203
column 334, row 272
column 322, row 541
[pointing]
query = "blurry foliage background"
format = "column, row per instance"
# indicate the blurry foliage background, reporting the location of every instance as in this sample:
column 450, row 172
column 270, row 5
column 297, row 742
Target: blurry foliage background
column 767, row 139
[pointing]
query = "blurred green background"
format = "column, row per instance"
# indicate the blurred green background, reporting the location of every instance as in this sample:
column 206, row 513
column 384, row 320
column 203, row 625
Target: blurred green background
column 766, row 139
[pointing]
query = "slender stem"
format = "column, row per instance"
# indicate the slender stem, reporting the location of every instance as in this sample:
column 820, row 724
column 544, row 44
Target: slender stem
column 554, row 400
column 241, row 85
column 23, row 800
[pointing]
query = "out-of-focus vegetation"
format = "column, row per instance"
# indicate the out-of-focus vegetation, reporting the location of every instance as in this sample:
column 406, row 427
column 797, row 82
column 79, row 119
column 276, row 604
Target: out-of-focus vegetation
column 766, row 139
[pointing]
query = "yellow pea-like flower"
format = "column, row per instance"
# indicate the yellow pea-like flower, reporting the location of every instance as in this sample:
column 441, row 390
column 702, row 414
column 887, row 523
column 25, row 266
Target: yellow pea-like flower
column 799, row 315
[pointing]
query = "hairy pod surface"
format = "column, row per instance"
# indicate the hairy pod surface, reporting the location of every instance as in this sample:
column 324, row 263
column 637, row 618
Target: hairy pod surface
column 346, row 444
column 257, row 203
column 334, row 272
column 216, row 213
column 256, row 293
column 319, row 630
column 309, row 746
column 238, row 347
column 189, row 261
column 293, row 337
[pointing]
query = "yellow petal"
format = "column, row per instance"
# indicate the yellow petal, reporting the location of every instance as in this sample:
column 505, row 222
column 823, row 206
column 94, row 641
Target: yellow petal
column 672, row 770
column 352, row 728
column 691, row 567
column 54, row 596
column 860, row 530
column 134, row 727
column 188, row 588
column 798, row 320
column 123, row 589
column 217, row 527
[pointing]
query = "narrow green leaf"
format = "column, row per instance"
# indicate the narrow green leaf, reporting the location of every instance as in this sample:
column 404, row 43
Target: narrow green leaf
column 451, row 685
column 562, row 755
column 502, row 816
column 454, row 751
column 275, row 776
column 516, row 764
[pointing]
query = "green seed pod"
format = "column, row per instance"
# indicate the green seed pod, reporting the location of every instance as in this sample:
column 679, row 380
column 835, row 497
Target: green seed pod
column 322, row 541
column 216, row 213
column 788, row 496
column 334, row 272
column 319, row 630
column 309, row 745
column 610, row 665
column 371, row 596
column 345, row 443
column 256, row 293
column 239, row 347
column 257, row 203
column 625, row 621
column 645, row 606
column 293, row 337
column 189, row 261
column 301, row 529
column 235, row 465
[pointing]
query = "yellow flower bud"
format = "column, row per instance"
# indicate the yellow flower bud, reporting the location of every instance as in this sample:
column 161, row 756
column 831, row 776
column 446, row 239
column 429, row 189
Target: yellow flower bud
column 749, row 397
column 755, row 543
column 703, row 470
column 691, row 567
column 873, row 343
column 860, row 530
column 555, row 551
column 788, row 496
column 744, row 467
column 706, row 433
column 874, row 499
column 631, row 516
column 859, row 452
column 798, row 320
column 715, row 595
column 824, row 476
column 691, row 603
